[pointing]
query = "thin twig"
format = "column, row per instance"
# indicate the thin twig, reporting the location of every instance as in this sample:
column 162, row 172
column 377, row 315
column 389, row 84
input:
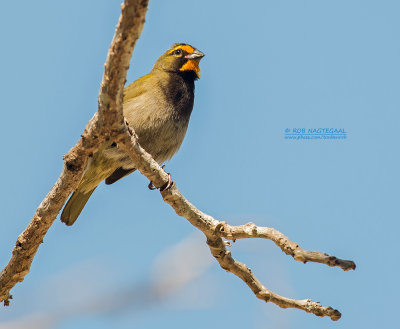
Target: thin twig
column 250, row 230
column 108, row 123
column 214, row 230
column 228, row 263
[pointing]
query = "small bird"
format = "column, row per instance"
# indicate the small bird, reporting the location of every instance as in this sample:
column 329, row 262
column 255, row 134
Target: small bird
column 158, row 107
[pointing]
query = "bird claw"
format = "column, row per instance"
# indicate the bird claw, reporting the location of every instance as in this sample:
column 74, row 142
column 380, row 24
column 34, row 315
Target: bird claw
column 166, row 186
column 151, row 186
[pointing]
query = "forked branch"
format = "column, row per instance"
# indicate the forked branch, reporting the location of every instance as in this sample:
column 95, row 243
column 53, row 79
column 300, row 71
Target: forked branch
column 101, row 127
column 215, row 230
column 108, row 124
column 250, row 230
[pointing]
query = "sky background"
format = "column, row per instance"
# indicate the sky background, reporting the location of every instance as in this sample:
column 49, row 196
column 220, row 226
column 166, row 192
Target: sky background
column 269, row 66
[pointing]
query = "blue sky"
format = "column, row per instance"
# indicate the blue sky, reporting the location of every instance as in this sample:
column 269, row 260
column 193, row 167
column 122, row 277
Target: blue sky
column 269, row 66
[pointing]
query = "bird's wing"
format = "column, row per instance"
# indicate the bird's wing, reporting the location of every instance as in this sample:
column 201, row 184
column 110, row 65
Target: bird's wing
column 137, row 88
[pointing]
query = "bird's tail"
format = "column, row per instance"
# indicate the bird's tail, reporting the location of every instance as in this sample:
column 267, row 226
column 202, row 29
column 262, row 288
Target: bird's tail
column 74, row 206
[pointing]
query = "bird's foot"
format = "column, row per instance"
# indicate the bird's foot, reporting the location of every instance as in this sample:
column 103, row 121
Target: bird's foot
column 151, row 186
column 166, row 186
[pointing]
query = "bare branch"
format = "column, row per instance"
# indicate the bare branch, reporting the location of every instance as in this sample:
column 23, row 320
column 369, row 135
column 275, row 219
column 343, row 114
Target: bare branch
column 229, row 264
column 108, row 123
column 250, row 230
column 128, row 31
column 214, row 230
column 107, row 119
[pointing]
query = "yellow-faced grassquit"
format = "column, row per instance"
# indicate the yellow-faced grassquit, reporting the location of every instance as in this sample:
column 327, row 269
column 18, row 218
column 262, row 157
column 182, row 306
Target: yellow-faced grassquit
column 158, row 107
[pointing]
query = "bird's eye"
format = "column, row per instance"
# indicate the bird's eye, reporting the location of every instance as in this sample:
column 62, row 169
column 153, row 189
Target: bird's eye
column 178, row 52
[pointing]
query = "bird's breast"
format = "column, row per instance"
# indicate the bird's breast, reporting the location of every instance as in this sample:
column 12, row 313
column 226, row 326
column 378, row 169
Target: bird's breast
column 160, row 117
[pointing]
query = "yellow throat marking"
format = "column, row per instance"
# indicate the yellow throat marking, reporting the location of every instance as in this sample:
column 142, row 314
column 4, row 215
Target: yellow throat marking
column 191, row 64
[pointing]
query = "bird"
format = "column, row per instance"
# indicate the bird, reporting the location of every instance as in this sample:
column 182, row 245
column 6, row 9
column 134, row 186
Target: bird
column 158, row 107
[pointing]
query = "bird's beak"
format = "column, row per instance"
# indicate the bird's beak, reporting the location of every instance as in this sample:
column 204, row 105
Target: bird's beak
column 197, row 54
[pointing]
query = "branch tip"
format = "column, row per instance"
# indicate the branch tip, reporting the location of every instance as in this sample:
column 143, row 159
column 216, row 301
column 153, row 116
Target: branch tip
column 108, row 124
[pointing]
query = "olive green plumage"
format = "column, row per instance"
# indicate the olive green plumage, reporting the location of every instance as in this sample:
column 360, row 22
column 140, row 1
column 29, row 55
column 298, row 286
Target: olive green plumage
column 158, row 107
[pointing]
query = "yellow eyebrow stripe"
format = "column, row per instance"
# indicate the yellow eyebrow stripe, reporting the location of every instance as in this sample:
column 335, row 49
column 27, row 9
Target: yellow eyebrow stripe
column 187, row 48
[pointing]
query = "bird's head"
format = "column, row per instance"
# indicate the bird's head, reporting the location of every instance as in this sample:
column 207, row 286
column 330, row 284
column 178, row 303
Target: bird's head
column 181, row 57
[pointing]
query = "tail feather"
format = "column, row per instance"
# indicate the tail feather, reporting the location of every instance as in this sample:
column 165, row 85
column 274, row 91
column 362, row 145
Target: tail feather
column 74, row 206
